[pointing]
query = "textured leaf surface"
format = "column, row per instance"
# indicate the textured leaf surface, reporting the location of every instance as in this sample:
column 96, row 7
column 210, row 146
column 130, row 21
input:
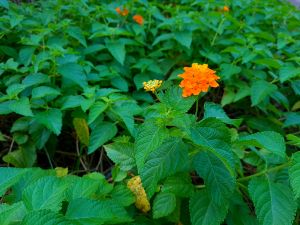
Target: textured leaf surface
column 260, row 90
column 46, row 193
column 96, row 109
column 99, row 212
column 219, row 181
column 13, row 213
column 171, row 157
column 44, row 217
column 179, row 184
column 163, row 205
column 204, row 211
column 150, row 136
column 274, row 202
column 82, row 130
column 9, row 176
column 52, row 119
column 117, row 49
column 73, row 72
column 122, row 195
column 121, row 154
column 100, row 134
column 21, row 106
column 294, row 174
column 269, row 140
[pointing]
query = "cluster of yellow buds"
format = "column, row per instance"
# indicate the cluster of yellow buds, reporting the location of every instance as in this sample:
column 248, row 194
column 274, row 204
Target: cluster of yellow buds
column 141, row 202
column 152, row 85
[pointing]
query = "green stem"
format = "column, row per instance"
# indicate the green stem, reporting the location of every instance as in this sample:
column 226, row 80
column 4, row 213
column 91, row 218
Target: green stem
column 264, row 172
column 218, row 31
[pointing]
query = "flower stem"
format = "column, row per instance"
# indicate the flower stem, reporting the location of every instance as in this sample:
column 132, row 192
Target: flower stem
column 218, row 31
column 264, row 172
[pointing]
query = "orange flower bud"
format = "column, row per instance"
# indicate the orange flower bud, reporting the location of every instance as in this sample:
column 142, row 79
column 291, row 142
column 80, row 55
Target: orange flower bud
column 138, row 19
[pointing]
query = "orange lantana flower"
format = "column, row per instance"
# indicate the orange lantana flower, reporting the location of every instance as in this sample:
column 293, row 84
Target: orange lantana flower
column 226, row 8
column 138, row 19
column 123, row 12
column 197, row 79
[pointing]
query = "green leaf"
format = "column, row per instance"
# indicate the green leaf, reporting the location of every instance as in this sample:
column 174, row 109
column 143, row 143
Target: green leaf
column 76, row 33
column 21, row 106
column 274, row 202
column 81, row 187
column 294, row 174
column 260, row 90
column 46, row 193
column 174, row 100
column 102, row 133
column 25, row 55
column 96, row 109
column 213, row 136
column 94, row 212
column 268, row 140
column 180, row 185
column 24, row 157
column 212, row 110
column 12, row 214
column 184, row 37
column 72, row 101
column 292, row 119
column 44, row 91
column 166, row 160
column 228, row 70
column 123, row 195
column 4, row 4
column 117, row 49
column 293, row 140
column 9, row 176
column 121, row 154
column 35, row 79
column 269, row 62
column 73, row 72
column 163, row 205
column 204, row 211
column 52, row 119
column 288, row 72
column 217, row 178
column 149, row 137
column 42, row 217
column 82, row 130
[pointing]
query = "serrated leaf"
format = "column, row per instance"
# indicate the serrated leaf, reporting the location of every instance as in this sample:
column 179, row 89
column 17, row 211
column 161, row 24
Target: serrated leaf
column 292, row 119
column 102, row 133
column 117, row 49
column 76, row 33
column 52, row 119
column 96, row 109
column 166, row 160
column 149, row 137
column 12, row 214
column 269, row 62
column 163, row 205
column 268, row 140
column 274, row 202
column 25, row 55
column 212, row 110
column 122, row 195
column 173, row 99
column 288, row 72
column 204, row 211
column 43, row 217
column 180, row 185
column 35, row 79
column 24, row 157
column 184, row 37
column 218, row 179
column 213, row 136
column 44, row 91
column 72, row 101
column 260, row 90
column 45, row 193
column 228, row 70
column 21, row 106
column 82, row 130
column 294, row 174
column 73, row 72
column 87, row 212
column 9, row 176
column 121, row 154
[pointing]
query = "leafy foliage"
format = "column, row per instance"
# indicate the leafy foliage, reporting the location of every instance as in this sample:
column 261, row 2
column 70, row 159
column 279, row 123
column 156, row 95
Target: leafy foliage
column 72, row 102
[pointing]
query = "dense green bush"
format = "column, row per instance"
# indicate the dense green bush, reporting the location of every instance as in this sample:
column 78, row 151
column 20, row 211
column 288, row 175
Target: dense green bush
column 71, row 83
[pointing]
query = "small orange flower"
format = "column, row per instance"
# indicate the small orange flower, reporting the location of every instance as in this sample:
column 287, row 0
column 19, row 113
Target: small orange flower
column 197, row 79
column 138, row 19
column 123, row 12
column 226, row 8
